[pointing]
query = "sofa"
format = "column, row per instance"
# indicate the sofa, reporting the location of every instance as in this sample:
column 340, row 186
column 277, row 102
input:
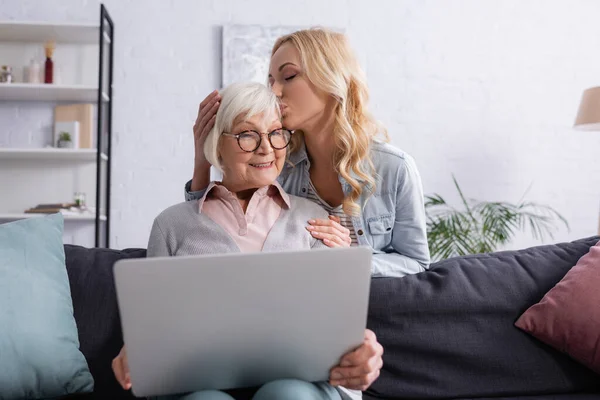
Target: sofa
column 447, row 332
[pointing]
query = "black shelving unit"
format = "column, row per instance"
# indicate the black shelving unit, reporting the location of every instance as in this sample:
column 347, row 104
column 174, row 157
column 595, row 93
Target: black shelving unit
column 104, row 125
column 23, row 196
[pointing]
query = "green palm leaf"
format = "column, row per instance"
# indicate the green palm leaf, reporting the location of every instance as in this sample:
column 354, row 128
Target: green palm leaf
column 481, row 227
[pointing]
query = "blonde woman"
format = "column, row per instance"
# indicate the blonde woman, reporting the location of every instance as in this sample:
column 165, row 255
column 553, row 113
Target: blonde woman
column 336, row 160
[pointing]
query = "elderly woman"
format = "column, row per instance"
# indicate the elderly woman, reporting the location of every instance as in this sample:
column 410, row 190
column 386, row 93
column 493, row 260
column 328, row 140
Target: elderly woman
column 248, row 211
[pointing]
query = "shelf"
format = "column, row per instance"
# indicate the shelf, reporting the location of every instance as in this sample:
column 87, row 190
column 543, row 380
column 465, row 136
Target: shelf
column 49, row 172
column 50, row 154
column 49, row 92
column 40, row 32
column 16, row 217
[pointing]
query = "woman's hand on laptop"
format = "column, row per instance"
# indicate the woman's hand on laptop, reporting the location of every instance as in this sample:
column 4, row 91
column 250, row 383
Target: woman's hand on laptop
column 330, row 232
column 121, row 369
column 359, row 368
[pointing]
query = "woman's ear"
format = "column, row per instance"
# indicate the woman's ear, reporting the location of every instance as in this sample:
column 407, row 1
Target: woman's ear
column 219, row 149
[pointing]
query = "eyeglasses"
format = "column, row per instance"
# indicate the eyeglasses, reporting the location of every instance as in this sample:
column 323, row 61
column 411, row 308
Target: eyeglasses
column 250, row 141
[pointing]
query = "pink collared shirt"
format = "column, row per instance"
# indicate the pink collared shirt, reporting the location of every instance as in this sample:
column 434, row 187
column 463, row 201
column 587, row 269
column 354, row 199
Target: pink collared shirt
column 249, row 230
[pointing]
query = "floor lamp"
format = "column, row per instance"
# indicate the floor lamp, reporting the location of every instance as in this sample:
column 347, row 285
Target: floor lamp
column 588, row 116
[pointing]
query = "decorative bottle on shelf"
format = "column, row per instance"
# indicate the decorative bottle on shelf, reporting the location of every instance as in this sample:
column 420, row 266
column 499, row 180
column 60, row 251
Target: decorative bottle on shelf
column 33, row 72
column 49, row 66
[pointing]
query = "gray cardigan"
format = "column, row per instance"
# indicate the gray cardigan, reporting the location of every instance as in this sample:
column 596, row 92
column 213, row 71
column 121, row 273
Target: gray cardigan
column 182, row 230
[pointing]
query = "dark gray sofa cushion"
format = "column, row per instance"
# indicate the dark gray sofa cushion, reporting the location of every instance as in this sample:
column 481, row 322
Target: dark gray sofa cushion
column 96, row 312
column 569, row 396
column 449, row 332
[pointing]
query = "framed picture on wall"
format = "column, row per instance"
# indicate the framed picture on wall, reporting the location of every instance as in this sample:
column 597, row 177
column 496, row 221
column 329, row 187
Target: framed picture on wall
column 247, row 50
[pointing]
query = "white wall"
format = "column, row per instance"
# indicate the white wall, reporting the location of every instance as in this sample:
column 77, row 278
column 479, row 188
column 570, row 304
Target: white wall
column 487, row 90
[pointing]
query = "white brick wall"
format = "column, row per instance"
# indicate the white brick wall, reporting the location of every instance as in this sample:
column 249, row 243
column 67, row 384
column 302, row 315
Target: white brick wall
column 487, row 90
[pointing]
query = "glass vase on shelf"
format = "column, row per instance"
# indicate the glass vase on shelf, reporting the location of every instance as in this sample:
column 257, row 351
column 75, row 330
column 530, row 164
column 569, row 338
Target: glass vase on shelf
column 33, row 72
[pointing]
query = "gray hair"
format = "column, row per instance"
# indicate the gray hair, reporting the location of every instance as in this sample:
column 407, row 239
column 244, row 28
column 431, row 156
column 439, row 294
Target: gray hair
column 246, row 99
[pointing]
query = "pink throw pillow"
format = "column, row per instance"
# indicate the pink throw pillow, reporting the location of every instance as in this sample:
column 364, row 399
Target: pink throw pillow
column 568, row 317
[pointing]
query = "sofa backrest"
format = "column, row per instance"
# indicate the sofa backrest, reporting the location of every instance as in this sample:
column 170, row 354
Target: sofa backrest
column 449, row 332
column 96, row 312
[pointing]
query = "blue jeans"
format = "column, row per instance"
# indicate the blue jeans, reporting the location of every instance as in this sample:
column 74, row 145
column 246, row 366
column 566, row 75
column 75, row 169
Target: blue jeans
column 289, row 389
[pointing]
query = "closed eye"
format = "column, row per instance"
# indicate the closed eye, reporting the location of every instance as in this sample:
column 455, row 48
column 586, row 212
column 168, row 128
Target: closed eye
column 290, row 77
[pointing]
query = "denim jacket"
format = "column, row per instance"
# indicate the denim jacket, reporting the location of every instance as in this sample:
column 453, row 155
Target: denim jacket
column 392, row 222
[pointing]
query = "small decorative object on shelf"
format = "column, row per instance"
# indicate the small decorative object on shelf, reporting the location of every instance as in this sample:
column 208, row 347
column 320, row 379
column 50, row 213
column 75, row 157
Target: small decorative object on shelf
column 49, row 66
column 64, row 129
column 83, row 115
column 6, row 75
column 64, row 141
column 76, row 209
column 49, row 208
column 80, row 200
column 33, row 72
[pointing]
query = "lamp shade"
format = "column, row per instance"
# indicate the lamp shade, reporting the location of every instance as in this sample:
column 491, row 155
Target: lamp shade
column 588, row 117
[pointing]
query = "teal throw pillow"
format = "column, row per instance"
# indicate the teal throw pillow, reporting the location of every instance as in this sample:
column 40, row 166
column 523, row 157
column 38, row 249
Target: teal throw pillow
column 39, row 346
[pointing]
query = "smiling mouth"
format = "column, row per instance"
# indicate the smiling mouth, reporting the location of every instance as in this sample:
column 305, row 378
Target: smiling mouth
column 263, row 165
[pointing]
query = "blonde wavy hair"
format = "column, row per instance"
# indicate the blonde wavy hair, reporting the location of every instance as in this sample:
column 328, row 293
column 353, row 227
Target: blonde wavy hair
column 331, row 66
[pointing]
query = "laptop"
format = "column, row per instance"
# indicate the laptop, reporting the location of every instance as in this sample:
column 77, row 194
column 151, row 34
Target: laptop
column 240, row 320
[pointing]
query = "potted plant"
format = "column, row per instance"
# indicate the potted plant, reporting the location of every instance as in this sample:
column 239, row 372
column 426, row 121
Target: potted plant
column 482, row 226
column 64, row 141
